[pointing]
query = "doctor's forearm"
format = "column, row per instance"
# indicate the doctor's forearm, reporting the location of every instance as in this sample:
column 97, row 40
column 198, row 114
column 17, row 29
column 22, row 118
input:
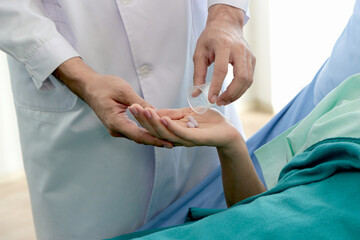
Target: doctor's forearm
column 240, row 179
column 76, row 75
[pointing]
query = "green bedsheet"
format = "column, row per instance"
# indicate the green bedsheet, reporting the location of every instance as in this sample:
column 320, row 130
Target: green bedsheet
column 317, row 197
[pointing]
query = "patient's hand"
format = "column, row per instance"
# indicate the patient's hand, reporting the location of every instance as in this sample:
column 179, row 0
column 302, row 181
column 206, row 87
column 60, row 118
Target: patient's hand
column 238, row 173
column 171, row 124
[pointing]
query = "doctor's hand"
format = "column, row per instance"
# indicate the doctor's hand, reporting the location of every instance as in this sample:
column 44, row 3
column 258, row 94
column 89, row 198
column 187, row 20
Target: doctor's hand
column 171, row 125
column 222, row 42
column 109, row 96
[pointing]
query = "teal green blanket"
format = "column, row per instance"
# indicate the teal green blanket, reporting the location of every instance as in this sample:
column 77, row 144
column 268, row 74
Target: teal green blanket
column 317, row 197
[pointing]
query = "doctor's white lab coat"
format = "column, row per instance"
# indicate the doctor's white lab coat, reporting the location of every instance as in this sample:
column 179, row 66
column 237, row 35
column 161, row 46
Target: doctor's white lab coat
column 85, row 184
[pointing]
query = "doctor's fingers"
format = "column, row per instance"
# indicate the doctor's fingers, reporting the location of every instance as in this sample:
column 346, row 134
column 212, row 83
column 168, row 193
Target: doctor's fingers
column 222, row 58
column 201, row 64
column 142, row 115
column 243, row 69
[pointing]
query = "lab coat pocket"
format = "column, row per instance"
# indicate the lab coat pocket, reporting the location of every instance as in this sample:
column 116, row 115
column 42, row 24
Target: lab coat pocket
column 57, row 99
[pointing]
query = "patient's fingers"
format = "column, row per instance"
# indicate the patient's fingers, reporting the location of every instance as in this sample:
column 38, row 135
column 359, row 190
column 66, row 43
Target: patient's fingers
column 175, row 131
column 163, row 132
column 149, row 119
column 189, row 135
column 142, row 116
column 174, row 113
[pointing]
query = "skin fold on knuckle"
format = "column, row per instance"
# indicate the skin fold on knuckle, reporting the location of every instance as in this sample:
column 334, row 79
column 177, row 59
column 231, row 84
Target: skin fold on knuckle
column 245, row 78
column 225, row 40
column 229, row 96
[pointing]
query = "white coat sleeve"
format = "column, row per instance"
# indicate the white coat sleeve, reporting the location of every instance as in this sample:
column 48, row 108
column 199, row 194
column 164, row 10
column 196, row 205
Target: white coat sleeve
column 242, row 4
column 28, row 35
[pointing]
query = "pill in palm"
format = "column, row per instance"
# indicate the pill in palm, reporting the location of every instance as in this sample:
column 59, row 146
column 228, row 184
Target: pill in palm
column 193, row 121
column 190, row 125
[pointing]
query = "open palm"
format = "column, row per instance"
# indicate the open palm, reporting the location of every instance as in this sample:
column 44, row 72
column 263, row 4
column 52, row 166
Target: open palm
column 171, row 124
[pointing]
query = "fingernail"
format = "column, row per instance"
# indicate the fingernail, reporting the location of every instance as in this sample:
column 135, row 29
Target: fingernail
column 163, row 121
column 147, row 114
column 133, row 111
column 214, row 98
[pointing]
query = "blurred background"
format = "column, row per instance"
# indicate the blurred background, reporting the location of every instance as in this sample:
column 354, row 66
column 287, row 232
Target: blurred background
column 290, row 39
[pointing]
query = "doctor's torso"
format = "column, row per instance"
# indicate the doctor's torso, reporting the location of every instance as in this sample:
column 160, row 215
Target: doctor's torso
column 148, row 43
column 79, row 176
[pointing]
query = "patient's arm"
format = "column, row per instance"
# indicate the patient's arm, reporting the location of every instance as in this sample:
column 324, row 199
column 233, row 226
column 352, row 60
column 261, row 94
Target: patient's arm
column 240, row 180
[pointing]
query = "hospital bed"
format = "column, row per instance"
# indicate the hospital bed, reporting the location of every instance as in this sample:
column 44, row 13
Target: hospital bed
column 343, row 62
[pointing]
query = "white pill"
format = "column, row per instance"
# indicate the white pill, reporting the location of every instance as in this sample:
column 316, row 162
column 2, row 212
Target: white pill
column 190, row 125
column 191, row 119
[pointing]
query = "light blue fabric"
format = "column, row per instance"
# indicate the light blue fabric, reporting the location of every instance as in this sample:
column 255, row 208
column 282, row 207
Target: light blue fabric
column 343, row 62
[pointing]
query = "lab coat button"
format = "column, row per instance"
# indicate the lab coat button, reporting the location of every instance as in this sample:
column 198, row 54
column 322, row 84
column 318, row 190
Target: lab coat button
column 125, row 2
column 145, row 70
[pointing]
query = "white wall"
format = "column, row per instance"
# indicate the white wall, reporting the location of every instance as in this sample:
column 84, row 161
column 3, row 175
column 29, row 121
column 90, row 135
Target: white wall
column 302, row 35
column 10, row 152
column 257, row 34
column 291, row 40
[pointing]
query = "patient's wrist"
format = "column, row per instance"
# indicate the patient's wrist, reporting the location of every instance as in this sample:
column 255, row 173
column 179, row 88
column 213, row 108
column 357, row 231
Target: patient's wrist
column 233, row 147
